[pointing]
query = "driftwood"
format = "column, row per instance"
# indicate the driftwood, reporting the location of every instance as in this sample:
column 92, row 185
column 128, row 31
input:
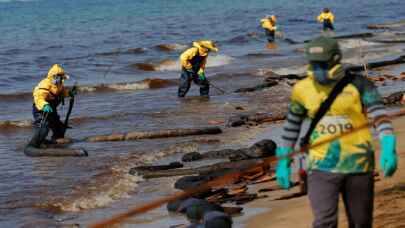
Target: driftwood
column 394, row 98
column 350, row 36
column 285, row 76
column 246, row 119
column 54, row 152
column 266, row 84
column 173, row 165
column 261, row 149
column 209, row 170
column 154, row 134
column 389, row 25
column 372, row 65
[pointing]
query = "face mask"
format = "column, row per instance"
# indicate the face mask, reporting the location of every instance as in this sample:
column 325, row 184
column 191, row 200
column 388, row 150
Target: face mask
column 323, row 75
column 57, row 81
column 320, row 71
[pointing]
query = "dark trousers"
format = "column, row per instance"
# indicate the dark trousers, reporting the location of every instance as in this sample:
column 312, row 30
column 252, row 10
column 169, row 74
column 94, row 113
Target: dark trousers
column 185, row 83
column 42, row 123
column 327, row 25
column 357, row 191
column 270, row 35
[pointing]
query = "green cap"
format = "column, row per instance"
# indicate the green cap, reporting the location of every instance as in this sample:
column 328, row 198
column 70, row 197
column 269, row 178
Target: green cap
column 322, row 49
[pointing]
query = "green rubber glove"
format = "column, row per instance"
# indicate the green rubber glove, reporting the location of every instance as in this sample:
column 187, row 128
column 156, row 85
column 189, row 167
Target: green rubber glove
column 201, row 76
column 283, row 169
column 388, row 156
column 47, row 108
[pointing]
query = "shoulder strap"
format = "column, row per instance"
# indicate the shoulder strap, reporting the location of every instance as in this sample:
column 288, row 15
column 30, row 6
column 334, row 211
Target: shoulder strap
column 324, row 107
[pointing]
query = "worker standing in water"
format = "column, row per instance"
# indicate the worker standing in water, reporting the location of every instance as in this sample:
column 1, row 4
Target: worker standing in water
column 269, row 25
column 48, row 94
column 346, row 165
column 327, row 18
column 193, row 62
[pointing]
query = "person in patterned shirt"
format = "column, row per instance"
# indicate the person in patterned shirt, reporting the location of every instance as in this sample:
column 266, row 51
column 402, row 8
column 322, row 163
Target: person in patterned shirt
column 346, row 165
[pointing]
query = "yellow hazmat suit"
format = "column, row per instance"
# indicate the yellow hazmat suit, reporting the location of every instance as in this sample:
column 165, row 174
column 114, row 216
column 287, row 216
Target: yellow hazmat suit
column 47, row 92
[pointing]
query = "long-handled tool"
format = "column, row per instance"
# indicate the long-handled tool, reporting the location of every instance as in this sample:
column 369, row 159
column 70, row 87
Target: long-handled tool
column 71, row 104
column 224, row 92
column 217, row 88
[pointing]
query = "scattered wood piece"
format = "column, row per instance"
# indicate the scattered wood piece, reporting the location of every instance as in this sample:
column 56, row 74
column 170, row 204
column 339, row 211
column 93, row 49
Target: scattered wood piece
column 258, row 118
column 394, row 98
column 54, row 152
column 154, row 134
column 389, row 25
column 237, row 190
column 139, row 169
column 261, row 149
column 266, row 84
column 167, row 173
column 263, row 179
column 233, row 210
column 291, row 196
column 372, row 65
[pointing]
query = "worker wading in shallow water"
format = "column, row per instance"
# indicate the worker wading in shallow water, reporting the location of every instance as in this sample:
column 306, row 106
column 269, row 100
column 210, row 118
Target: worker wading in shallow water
column 327, row 19
column 268, row 23
column 193, row 62
column 48, row 94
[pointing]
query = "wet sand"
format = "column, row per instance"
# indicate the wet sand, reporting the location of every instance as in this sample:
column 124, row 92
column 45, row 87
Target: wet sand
column 389, row 202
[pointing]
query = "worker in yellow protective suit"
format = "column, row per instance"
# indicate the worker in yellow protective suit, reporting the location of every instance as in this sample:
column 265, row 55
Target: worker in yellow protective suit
column 327, row 18
column 343, row 166
column 269, row 25
column 48, row 94
column 193, row 62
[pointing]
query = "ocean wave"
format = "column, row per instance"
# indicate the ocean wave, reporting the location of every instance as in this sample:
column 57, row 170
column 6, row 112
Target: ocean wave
column 149, row 83
column 171, row 47
column 112, row 183
column 174, row 65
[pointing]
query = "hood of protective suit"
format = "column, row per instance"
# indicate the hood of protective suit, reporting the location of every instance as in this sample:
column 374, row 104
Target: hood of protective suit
column 204, row 46
column 56, row 69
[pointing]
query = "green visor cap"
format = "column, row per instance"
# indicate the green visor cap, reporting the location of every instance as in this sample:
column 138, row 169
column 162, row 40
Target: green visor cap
column 322, row 49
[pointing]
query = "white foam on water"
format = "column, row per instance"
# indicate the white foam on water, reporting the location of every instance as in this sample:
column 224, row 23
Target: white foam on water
column 219, row 60
column 116, row 183
column 130, row 86
column 178, row 47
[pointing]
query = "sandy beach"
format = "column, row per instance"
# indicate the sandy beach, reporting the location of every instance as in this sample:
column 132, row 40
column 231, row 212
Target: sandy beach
column 389, row 202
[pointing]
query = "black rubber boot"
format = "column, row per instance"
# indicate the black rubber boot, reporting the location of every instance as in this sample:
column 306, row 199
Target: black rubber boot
column 38, row 137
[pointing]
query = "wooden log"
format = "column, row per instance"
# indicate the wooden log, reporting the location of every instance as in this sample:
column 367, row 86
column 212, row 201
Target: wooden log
column 168, row 173
column 350, row 36
column 394, row 98
column 215, row 169
column 54, row 152
column 261, row 149
column 140, row 169
column 372, row 65
column 257, row 118
column 266, row 84
column 154, row 134
column 389, row 25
